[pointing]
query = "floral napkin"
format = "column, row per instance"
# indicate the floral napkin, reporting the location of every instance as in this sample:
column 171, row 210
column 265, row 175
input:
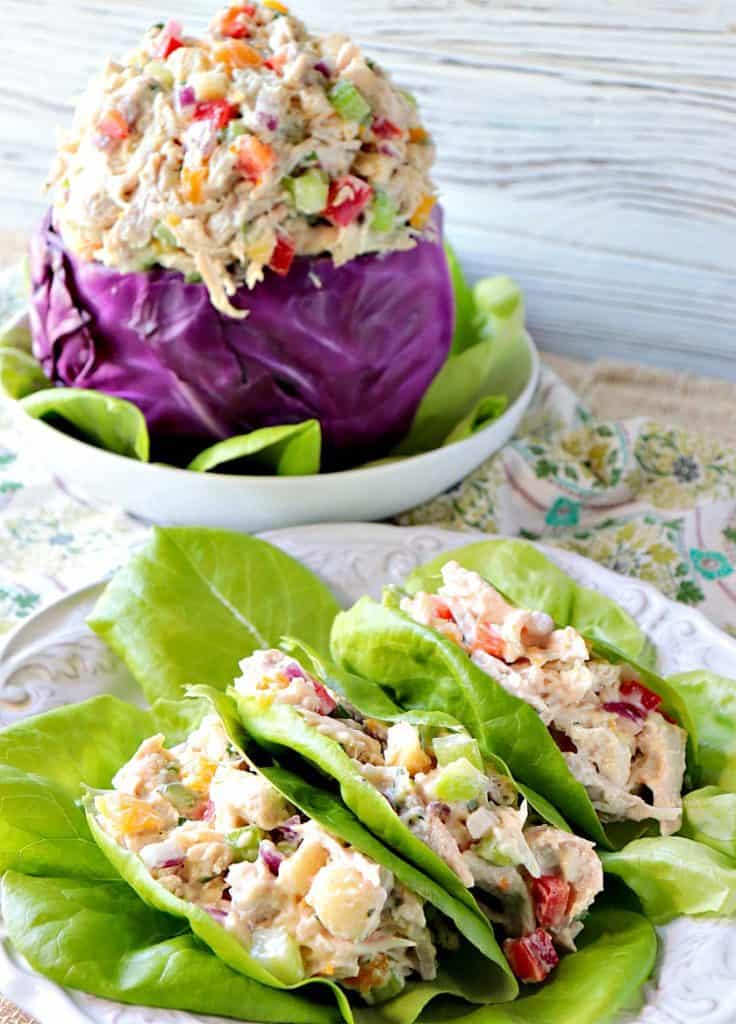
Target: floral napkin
column 642, row 498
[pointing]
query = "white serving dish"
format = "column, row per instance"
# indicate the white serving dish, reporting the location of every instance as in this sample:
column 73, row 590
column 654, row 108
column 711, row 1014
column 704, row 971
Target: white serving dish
column 170, row 496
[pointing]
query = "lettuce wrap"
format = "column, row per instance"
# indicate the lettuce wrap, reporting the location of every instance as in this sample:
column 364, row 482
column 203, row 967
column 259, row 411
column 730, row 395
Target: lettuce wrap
column 421, row 668
column 69, row 914
column 418, row 781
column 475, row 981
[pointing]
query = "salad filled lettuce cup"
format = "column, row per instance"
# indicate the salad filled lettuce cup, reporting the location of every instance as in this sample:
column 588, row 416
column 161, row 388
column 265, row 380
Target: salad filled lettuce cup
column 419, row 782
column 558, row 681
column 278, row 879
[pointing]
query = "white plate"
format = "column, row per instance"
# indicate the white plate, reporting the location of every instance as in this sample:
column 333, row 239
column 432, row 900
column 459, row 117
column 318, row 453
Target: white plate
column 166, row 495
column 56, row 660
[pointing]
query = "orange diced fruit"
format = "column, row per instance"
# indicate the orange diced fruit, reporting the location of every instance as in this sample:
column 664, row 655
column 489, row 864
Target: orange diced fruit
column 114, row 125
column 418, row 134
column 192, row 182
column 422, row 211
column 237, row 54
column 254, row 157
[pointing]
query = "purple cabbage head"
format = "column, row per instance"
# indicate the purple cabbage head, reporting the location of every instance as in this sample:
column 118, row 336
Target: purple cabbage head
column 354, row 347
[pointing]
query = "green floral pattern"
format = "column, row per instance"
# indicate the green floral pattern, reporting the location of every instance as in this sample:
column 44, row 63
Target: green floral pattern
column 646, row 500
column 643, row 499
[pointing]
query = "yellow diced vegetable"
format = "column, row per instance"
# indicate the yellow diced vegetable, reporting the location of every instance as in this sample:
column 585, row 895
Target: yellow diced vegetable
column 422, row 211
column 210, row 85
column 192, row 184
column 275, row 5
column 127, row 815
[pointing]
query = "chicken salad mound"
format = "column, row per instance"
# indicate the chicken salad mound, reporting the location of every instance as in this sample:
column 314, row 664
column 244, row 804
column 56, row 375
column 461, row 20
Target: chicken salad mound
column 535, row 881
column 305, row 904
column 228, row 154
column 615, row 737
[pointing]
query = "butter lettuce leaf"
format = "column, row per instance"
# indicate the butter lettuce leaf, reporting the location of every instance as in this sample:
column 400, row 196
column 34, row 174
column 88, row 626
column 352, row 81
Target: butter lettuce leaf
column 192, row 603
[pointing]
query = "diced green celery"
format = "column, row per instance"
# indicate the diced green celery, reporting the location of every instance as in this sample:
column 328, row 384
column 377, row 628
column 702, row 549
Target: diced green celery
column 388, row 990
column 158, row 70
column 491, row 849
column 193, row 278
column 279, row 953
column 454, row 745
column 146, row 260
column 384, row 212
column 183, row 798
column 244, row 842
column 234, row 130
column 165, row 235
column 458, row 781
column 309, row 191
column 348, row 101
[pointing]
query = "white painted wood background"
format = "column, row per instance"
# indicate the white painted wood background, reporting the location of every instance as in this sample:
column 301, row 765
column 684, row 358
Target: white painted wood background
column 587, row 147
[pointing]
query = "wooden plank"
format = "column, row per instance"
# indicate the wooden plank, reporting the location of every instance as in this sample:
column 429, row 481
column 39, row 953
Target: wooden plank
column 588, row 148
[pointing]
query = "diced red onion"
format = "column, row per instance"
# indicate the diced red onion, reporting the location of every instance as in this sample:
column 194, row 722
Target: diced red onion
column 267, row 121
column 323, row 69
column 270, row 856
column 173, row 862
column 205, row 812
column 187, row 96
column 388, row 150
column 294, row 671
column 216, row 913
column 327, row 704
column 626, row 710
column 440, row 810
column 287, row 831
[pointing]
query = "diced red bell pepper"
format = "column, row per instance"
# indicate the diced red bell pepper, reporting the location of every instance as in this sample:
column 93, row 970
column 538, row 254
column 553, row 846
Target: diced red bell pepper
column 205, row 811
column 346, row 200
column 234, row 22
column 114, row 126
column 639, row 694
column 442, row 610
column 281, row 259
column 169, row 39
column 327, row 704
column 276, row 63
column 220, row 112
column 622, row 707
column 385, row 129
column 254, row 157
column 550, row 896
column 488, row 640
column 531, row 957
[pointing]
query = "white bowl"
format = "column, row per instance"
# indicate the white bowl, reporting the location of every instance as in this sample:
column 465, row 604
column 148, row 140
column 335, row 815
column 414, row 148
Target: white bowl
column 166, row 495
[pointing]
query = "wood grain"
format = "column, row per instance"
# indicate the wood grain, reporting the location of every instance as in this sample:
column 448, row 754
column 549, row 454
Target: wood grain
column 588, row 148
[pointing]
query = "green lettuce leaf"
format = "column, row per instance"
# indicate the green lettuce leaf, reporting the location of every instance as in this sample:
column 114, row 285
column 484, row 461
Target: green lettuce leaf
column 530, row 580
column 280, row 728
column 292, row 450
column 710, row 818
column 423, row 670
column 481, row 984
column 63, row 905
column 673, row 876
column 111, row 423
column 190, row 604
column 617, row 954
column 711, row 702
column 465, row 332
column 20, row 372
column 489, row 358
column 98, row 936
